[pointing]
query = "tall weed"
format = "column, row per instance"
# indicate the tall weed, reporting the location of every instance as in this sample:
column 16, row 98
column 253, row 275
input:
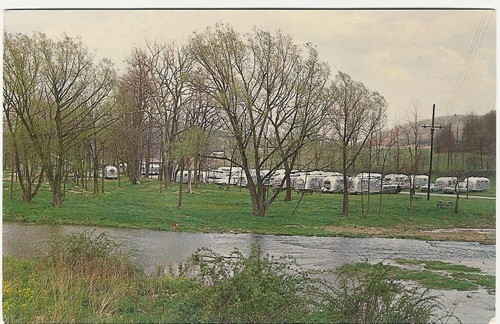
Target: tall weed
column 83, row 279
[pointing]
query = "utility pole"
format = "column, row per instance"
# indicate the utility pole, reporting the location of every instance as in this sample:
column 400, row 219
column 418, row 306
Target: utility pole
column 433, row 127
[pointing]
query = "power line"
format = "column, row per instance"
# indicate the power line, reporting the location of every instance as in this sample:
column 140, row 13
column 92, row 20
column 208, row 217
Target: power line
column 478, row 37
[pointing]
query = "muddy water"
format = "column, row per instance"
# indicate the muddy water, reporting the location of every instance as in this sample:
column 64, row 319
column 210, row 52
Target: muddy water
column 153, row 249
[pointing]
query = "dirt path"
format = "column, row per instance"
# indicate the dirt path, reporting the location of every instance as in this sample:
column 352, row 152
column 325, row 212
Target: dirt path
column 483, row 236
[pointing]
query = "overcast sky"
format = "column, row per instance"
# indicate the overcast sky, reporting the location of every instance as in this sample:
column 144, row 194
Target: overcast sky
column 412, row 57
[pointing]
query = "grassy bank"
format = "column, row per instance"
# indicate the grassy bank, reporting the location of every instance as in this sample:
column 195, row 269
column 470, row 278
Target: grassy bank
column 87, row 279
column 430, row 274
column 210, row 209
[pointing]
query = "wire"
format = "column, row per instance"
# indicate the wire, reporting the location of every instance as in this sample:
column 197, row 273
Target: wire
column 471, row 54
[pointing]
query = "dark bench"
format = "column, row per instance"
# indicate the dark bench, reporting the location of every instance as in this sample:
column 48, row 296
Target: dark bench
column 445, row 204
column 305, row 191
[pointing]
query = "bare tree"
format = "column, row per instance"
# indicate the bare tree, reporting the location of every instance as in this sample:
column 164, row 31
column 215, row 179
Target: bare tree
column 73, row 88
column 479, row 138
column 133, row 99
column 389, row 138
column 22, row 94
column 265, row 95
column 354, row 116
column 169, row 67
column 413, row 135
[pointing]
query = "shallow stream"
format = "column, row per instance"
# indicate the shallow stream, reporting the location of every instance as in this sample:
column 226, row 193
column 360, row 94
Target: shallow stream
column 157, row 249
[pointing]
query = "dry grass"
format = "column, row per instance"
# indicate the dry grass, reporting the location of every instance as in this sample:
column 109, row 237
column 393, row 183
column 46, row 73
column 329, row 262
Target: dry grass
column 461, row 235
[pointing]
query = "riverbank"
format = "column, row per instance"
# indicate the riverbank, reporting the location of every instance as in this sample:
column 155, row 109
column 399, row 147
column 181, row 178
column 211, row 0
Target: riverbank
column 210, row 209
column 448, row 266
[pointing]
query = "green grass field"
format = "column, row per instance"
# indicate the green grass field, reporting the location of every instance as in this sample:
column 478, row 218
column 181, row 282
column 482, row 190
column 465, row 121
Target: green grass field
column 210, row 209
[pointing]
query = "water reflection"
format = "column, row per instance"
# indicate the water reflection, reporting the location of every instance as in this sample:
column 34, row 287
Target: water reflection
column 155, row 248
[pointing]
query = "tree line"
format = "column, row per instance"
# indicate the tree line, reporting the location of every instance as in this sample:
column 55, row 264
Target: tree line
column 278, row 106
column 470, row 143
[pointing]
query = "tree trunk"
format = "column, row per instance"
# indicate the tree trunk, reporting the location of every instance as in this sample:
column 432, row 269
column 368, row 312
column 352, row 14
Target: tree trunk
column 102, row 180
column 258, row 196
column 288, row 184
column 96, row 175
column 181, row 180
column 196, row 173
column 457, row 191
column 345, row 202
column 345, row 195
column 11, row 192
column 189, row 189
column 57, row 194
column 167, row 174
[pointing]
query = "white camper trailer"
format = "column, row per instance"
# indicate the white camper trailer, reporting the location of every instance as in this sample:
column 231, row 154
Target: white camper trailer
column 365, row 183
column 185, row 176
column 313, row 182
column 309, row 181
column 217, row 174
column 110, row 172
column 333, row 184
column 401, row 180
column 299, row 182
column 476, row 183
column 294, row 175
column 443, row 182
column 154, row 168
column 420, row 180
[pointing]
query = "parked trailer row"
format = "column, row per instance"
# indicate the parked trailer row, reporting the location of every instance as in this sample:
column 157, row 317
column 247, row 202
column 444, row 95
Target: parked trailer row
column 450, row 185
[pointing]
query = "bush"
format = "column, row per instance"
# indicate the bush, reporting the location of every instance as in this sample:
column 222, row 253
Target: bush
column 253, row 289
column 90, row 255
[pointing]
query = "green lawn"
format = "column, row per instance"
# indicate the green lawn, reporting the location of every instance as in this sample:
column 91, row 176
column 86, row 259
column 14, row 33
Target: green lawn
column 210, row 209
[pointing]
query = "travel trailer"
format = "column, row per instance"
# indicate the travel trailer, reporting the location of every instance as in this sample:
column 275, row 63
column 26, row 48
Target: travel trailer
column 110, row 172
column 443, row 182
column 154, row 168
column 420, row 180
column 294, row 175
column 365, row 183
column 333, row 184
column 476, row 183
column 309, row 181
column 185, row 175
column 401, row 180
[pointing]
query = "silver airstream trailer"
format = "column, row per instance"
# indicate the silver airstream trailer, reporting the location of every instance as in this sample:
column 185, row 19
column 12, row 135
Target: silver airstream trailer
column 365, row 183
column 476, row 183
column 110, row 172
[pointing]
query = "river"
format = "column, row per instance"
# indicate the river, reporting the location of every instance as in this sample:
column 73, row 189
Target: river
column 154, row 249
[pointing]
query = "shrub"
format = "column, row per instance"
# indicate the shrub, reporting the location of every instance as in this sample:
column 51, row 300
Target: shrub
column 90, row 255
column 253, row 289
column 371, row 296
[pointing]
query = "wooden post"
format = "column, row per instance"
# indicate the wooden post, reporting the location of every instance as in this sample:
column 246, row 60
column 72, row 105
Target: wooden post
column 432, row 127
